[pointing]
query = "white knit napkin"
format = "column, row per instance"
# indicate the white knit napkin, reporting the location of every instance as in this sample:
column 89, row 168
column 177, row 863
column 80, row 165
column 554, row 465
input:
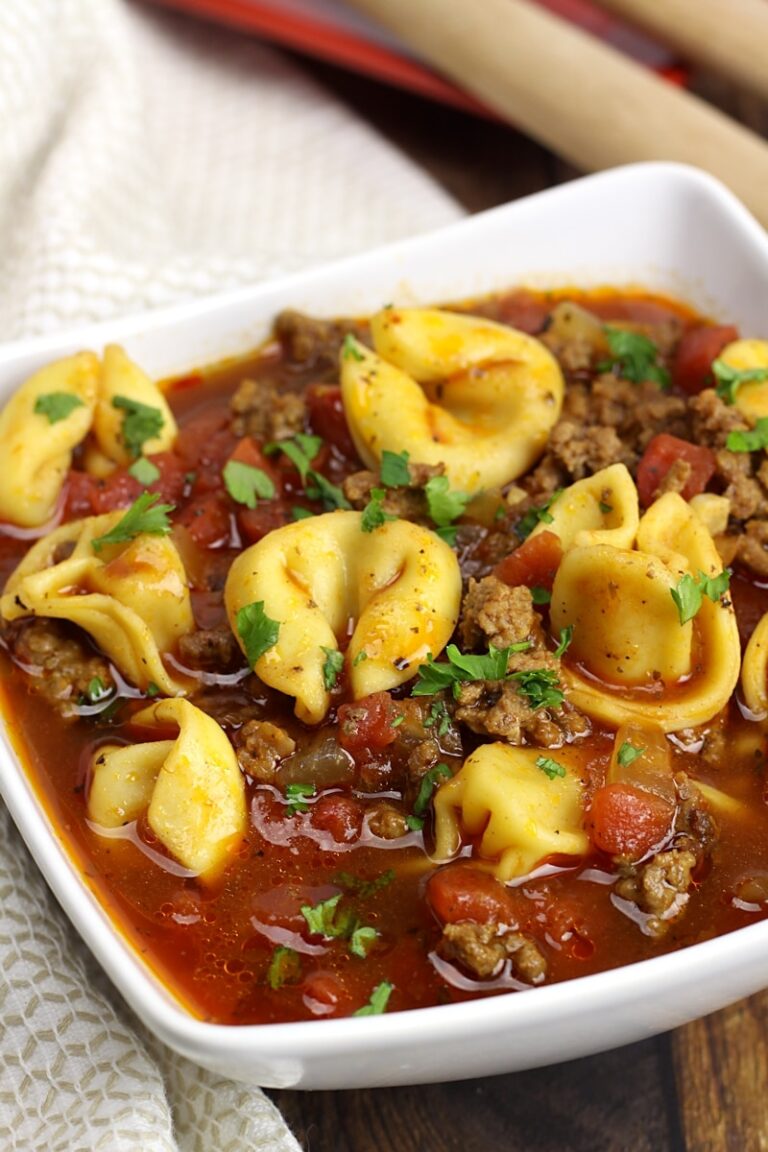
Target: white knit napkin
column 145, row 159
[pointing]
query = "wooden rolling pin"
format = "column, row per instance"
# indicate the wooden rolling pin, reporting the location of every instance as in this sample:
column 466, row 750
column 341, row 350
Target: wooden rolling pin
column 728, row 36
column 587, row 102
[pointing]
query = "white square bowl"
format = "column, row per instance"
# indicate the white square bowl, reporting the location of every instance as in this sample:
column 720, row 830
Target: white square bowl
column 658, row 226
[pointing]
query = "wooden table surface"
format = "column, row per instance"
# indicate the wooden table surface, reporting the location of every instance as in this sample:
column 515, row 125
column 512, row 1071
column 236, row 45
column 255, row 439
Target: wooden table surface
column 703, row 1088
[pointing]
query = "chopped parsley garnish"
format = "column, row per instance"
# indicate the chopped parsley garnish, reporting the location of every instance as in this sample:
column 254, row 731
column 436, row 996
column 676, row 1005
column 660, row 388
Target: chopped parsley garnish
column 256, row 630
column 444, row 505
column 321, row 489
column 537, row 515
column 398, row 721
column 296, row 794
column 566, row 636
column 434, row 677
column 328, row 920
column 299, row 513
column 350, row 349
column 145, row 516
column 541, row 595
column 332, row 666
column 301, row 450
column 57, row 405
column 628, row 753
column 604, row 508
column 96, row 691
column 361, row 941
column 728, row 380
column 373, row 513
column 144, row 471
column 394, row 469
column 541, row 687
column 361, row 656
column 153, row 689
column 361, row 887
column 377, row 1002
column 247, row 484
column 635, row 355
column 752, row 440
column 141, row 422
column 448, row 533
column 284, row 967
column 550, row 767
column 438, row 718
column 690, row 591
column 430, row 781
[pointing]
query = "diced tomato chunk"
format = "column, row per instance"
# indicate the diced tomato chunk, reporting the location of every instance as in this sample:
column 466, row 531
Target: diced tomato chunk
column 524, row 311
column 81, row 495
column 327, row 418
column 207, row 519
column 255, row 523
column 460, row 892
column 340, row 815
column 204, row 445
column 628, row 822
column 534, row 563
column 366, row 726
column 661, row 454
column 698, row 347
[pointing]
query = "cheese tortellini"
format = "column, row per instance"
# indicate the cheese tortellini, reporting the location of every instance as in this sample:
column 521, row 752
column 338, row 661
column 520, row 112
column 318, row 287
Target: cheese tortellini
column 754, row 672
column 751, row 397
column 601, row 509
column 631, row 658
column 191, row 788
column 399, row 587
column 132, row 598
column 522, row 812
column 65, row 403
column 478, row 396
column 39, row 427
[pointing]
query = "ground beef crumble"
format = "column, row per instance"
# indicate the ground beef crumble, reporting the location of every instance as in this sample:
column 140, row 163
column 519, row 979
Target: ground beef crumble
column 260, row 410
column 60, row 663
column 483, row 948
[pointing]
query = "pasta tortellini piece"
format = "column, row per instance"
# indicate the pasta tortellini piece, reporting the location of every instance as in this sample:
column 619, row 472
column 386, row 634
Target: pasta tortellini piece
column 478, row 396
column 132, row 598
column 631, row 658
column 745, row 355
column 754, row 671
column 121, row 381
column 191, row 788
column 601, row 509
column 522, row 812
column 399, row 585
column 39, row 427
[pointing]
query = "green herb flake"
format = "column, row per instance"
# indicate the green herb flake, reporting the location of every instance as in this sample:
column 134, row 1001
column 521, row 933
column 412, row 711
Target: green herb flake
column 628, row 753
column 296, row 795
column 551, row 768
column 430, row 781
column 299, row 513
column 321, row 918
column 361, row 656
column 256, row 630
column 96, row 690
column 636, row 357
column 141, row 423
column 433, row 678
column 361, row 941
column 246, row 484
column 351, row 348
column 377, row 1002
column 448, row 534
column 414, row 823
column 57, row 405
column 444, row 505
column 145, row 516
column 398, row 721
column 319, row 488
column 539, row 514
column 689, row 592
column 334, row 662
column 364, row 888
column 153, row 689
column 438, row 718
column 284, row 967
column 728, row 380
column 373, row 514
column 394, row 469
column 566, row 636
column 604, row 508
column 144, row 471
column 750, row 441
column 541, row 688
column 541, row 595
column 301, row 450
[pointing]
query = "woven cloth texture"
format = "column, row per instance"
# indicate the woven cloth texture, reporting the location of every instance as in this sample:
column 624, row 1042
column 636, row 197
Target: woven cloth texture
column 145, row 159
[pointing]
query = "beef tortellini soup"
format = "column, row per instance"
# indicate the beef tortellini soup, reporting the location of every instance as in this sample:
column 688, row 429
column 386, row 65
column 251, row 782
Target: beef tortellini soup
column 409, row 659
